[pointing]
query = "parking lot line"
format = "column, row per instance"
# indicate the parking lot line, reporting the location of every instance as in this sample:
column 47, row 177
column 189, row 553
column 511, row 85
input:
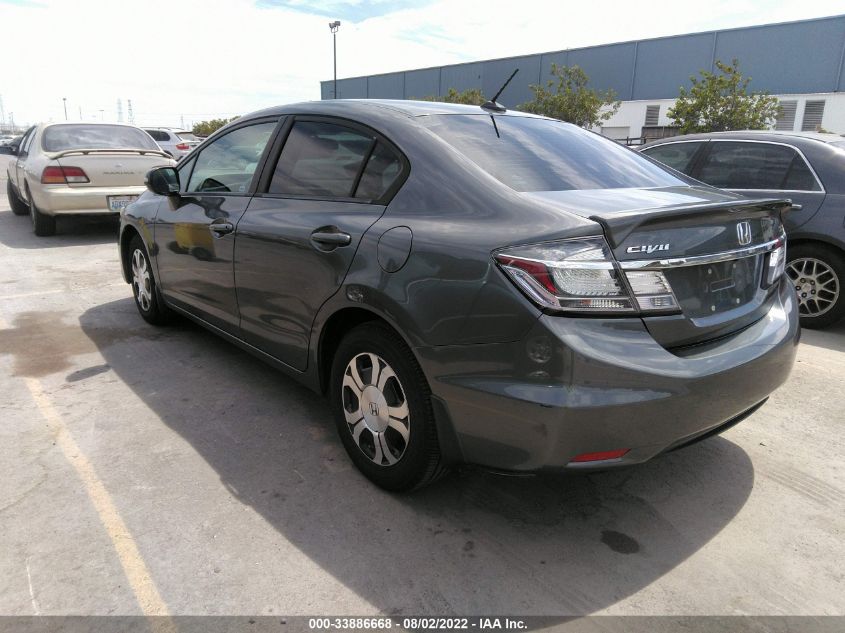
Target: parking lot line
column 133, row 564
column 137, row 573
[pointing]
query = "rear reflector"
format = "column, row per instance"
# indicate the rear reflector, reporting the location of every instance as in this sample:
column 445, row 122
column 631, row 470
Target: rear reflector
column 63, row 175
column 599, row 457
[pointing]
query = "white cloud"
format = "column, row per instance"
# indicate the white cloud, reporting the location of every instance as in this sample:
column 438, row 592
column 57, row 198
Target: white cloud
column 201, row 59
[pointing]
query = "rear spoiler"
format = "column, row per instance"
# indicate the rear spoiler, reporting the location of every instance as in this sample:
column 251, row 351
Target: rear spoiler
column 140, row 150
column 619, row 225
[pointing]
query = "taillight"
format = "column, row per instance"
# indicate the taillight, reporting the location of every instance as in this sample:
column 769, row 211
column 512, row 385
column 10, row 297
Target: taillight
column 183, row 147
column 63, row 175
column 580, row 275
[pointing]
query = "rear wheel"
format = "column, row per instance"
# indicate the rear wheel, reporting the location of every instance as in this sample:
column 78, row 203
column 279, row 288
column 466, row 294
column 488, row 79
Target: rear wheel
column 18, row 206
column 144, row 289
column 382, row 408
column 43, row 225
column 817, row 273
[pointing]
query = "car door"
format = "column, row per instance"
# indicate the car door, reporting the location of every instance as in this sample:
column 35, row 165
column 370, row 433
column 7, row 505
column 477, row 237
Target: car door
column 20, row 161
column 331, row 181
column 763, row 169
column 194, row 232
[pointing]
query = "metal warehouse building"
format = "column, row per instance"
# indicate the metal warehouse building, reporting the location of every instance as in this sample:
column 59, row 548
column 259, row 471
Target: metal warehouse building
column 803, row 63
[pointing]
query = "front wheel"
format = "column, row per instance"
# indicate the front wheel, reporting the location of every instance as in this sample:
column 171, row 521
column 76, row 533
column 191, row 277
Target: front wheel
column 144, row 289
column 817, row 273
column 18, row 206
column 381, row 403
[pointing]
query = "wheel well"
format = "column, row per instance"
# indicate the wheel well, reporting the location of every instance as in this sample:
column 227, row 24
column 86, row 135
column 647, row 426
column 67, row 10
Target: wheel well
column 333, row 332
column 126, row 237
column 801, row 241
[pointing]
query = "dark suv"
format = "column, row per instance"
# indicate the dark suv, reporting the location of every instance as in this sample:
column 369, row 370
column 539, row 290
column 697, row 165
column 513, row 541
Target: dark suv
column 468, row 284
column 807, row 168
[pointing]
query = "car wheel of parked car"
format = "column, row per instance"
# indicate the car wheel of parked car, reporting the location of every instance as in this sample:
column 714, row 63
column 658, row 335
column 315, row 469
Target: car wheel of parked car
column 144, row 288
column 382, row 408
column 817, row 273
column 18, row 206
column 42, row 224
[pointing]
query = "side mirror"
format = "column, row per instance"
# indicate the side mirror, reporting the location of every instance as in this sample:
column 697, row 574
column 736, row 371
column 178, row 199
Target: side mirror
column 163, row 180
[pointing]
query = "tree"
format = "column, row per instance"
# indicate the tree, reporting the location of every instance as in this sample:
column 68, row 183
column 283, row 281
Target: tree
column 471, row 96
column 720, row 101
column 206, row 128
column 567, row 97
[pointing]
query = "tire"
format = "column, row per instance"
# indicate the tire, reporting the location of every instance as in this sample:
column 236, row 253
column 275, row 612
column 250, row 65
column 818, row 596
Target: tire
column 43, row 225
column 381, row 451
column 150, row 305
column 817, row 273
column 18, row 206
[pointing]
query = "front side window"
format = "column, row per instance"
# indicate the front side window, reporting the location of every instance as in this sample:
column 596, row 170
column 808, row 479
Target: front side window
column 228, row 164
column 676, row 155
column 534, row 154
column 738, row 165
column 67, row 136
column 321, row 159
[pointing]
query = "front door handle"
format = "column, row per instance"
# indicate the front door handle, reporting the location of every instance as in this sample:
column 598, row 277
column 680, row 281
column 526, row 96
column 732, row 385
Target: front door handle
column 331, row 237
column 219, row 229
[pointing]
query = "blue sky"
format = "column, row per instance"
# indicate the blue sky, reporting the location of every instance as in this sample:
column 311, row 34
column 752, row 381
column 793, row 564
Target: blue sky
column 230, row 57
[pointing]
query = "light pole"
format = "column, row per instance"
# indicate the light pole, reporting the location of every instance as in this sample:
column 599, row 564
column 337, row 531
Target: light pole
column 64, row 103
column 334, row 26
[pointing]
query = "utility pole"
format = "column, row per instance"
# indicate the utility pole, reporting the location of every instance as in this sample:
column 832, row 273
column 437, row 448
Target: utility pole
column 129, row 111
column 101, row 114
column 334, row 26
column 64, row 103
column 120, row 111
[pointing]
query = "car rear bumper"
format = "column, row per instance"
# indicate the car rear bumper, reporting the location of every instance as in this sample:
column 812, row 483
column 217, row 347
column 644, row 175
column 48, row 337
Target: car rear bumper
column 577, row 386
column 60, row 200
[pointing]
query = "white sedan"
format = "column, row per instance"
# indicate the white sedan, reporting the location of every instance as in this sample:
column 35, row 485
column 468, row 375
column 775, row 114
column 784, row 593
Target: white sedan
column 80, row 169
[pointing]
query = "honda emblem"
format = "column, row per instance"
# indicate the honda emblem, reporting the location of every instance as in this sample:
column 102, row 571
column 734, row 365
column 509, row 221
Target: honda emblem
column 743, row 232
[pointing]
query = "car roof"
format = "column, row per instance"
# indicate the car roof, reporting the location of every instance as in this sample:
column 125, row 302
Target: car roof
column 744, row 135
column 369, row 106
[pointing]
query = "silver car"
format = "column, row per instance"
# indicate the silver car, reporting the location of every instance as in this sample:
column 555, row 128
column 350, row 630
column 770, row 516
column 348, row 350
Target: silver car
column 175, row 142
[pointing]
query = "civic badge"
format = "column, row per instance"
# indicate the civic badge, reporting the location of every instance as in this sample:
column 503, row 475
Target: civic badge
column 743, row 232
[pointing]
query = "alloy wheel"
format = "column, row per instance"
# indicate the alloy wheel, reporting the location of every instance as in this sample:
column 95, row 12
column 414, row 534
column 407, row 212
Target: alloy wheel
column 141, row 281
column 816, row 284
column 376, row 409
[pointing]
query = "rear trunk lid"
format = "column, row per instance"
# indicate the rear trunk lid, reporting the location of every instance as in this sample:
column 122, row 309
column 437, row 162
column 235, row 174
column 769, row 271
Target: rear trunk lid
column 110, row 167
column 712, row 247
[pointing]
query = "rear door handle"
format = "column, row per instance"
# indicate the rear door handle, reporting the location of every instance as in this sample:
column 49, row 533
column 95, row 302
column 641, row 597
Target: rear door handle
column 219, row 229
column 326, row 237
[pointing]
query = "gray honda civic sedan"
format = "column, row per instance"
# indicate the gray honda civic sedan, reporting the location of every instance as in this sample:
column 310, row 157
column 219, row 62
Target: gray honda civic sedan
column 471, row 285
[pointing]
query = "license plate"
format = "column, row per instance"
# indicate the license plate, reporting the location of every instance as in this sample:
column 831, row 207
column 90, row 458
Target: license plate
column 118, row 203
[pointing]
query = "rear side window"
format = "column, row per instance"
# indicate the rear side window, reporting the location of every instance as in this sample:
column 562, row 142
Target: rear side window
column 227, row 164
column 61, row 137
column 738, row 165
column 158, row 135
column 676, row 155
column 323, row 159
column 533, row 154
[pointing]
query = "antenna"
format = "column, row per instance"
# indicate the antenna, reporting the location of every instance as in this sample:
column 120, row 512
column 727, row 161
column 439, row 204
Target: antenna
column 492, row 105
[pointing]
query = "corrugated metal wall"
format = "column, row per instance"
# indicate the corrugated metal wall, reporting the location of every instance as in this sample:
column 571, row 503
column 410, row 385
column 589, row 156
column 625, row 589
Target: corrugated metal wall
column 793, row 58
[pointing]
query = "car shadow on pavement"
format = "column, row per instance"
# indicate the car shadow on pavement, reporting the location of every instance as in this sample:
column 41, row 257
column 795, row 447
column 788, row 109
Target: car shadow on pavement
column 16, row 231
column 474, row 543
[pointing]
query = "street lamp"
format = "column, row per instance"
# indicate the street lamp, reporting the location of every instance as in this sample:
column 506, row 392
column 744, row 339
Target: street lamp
column 64, row 103
column 334, row 26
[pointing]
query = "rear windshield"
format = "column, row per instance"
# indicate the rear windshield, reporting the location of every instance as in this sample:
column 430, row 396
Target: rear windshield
column 187, row 136
column 81, row 136
column 530, row 154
